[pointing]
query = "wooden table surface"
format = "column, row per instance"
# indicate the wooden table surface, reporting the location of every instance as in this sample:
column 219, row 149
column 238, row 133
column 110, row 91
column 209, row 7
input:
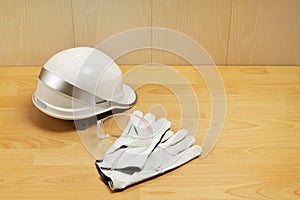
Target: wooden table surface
column 256, row 157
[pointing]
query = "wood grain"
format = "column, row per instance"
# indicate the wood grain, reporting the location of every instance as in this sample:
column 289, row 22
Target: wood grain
column 32, row 31
column 257, row 156
column 234, row 32
column 264, row 33
column 96, row 21
column 205, row 21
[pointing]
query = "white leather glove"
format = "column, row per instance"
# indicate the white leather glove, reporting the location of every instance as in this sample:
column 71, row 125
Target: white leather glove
column 173, row 150
column 126, row 153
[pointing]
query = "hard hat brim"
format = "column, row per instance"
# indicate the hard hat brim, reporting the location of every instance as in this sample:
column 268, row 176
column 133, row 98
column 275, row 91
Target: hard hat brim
column 127, row 101
column 128, row 97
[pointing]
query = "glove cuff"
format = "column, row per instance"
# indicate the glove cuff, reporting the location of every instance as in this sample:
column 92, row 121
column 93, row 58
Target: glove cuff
column 104, row 178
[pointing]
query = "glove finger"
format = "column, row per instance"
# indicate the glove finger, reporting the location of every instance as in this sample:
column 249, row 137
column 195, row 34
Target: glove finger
column 138, row 113
column 180, row 135
column 143, row 129
column 128, row 138
column 181, row 146
column 167, row 136
column 182, row 158
column 120, row 141
column 134, row 120
column 138, row 128
column 160, row 126
column 149, row 117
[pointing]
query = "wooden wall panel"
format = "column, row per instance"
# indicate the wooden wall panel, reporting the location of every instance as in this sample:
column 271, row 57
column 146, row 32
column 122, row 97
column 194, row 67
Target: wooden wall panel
column 33, row 30
column 206, row 21
column 265, row 32
column 234, row 32
column 96, row 20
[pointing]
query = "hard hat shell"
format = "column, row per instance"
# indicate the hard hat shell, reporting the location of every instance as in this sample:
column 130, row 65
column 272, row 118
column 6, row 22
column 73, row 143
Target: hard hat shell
column 81, row 82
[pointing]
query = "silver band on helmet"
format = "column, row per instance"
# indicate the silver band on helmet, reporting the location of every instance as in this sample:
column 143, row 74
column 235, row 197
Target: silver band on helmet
column 66, row 88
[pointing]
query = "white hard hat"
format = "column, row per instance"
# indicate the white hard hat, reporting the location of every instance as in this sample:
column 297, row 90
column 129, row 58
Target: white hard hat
column 79, row 83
